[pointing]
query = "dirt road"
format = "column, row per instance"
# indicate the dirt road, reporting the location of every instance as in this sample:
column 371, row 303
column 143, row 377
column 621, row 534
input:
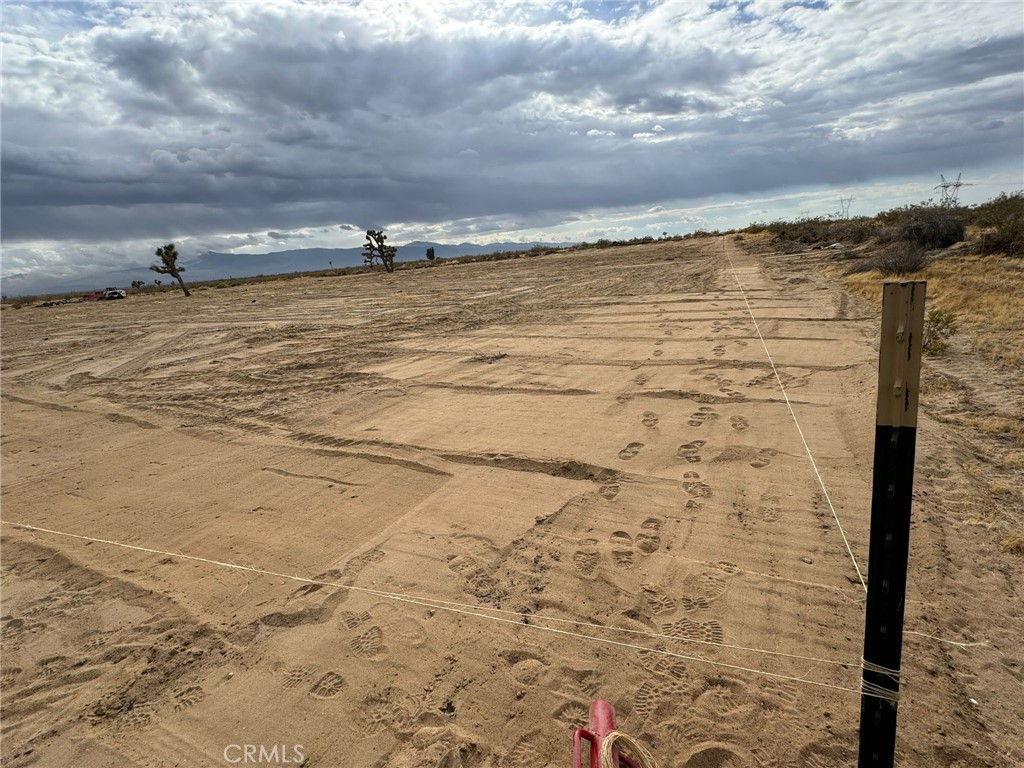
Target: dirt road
column 548, row 480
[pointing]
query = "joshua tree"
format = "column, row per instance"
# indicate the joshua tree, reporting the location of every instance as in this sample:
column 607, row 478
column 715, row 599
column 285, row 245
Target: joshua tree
column 430, row 253
column 137, row 284
column 374, row 248
column 158, row 282
column 168, row 256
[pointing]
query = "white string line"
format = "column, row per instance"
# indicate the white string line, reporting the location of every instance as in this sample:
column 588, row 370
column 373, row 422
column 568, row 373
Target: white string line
column 432, row 602
column 840, row 592
column 947, row 642
column 446, row 606
column 792, row 413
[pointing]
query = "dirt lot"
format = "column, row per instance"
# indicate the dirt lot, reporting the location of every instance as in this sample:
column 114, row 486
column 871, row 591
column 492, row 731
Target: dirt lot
column 584, row 455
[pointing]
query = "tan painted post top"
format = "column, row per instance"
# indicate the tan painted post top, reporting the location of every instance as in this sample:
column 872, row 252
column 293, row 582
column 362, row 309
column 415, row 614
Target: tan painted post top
column 899, row 356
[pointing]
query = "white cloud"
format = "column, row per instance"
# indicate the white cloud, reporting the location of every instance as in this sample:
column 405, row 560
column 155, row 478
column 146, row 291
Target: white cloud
column 126, row 125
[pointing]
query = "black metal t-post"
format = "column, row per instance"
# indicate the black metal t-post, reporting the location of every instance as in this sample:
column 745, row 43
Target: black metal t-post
column 899, row 375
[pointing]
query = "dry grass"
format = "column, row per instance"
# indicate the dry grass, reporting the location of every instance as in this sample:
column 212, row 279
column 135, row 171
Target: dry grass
column 1014, row 541
column 985, row 293
column 986, row 296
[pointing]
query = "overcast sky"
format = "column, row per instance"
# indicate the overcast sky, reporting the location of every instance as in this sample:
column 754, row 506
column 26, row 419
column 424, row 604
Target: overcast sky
column 259, row 126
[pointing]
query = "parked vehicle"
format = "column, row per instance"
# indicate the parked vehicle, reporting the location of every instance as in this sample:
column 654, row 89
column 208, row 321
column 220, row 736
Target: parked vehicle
column 107, row 294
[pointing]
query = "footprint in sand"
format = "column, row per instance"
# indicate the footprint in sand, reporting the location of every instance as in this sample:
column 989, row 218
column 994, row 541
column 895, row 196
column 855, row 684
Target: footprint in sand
column 620, row 539
column 650, row 419
column 763, row 458
column 662, row 665
column 393, row 709
column 609, row 491
column 296, row 676
column 701, row 631
column 370, row 643
column 701, row 589
column 526, row 751
column 623, row 557
column 328, row 686
column 658, row 353
column 690, row 452
column 140, row 716
column 657, row 602
column 693, row 602
column 651, row 693
column 649, row 539
column 648, row 542
column 585, row 561
column 353, row 620
column 701, row 415
column 778, row 694
column 768, row 509
column 695, row 487
column 718, row 351
column 630, row 451
column 739, row 423
column 188, row 697
column 572, row 713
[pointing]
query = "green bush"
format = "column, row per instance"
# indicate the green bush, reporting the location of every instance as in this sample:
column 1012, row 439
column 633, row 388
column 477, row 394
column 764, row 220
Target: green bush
column 939, row 326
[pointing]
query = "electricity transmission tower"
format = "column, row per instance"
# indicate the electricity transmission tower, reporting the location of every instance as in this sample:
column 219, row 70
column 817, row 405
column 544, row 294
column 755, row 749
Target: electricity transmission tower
column 951, row 189
column 844, row 206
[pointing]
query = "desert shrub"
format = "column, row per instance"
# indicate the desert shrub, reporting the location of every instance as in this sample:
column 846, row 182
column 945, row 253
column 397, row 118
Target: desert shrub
column 1007, row 237
column 861, row 265
column 738, row 238
column 998, row 210
column 900, row 258
column 932, row 227
column 857, row 231
column 939, row 326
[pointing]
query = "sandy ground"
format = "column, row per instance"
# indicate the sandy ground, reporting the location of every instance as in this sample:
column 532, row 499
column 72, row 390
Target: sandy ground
column 594, row 438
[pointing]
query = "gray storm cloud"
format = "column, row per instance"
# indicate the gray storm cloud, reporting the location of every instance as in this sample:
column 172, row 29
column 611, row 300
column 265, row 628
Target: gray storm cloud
column 156, row 121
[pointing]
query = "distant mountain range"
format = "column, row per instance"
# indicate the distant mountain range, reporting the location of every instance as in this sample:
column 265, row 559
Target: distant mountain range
column 220, row 266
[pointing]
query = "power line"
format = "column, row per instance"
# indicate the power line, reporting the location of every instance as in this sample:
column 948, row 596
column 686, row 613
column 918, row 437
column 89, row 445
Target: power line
column 950, row 190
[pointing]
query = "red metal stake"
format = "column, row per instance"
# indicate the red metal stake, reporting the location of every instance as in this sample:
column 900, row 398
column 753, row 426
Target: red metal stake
column 602, row 723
